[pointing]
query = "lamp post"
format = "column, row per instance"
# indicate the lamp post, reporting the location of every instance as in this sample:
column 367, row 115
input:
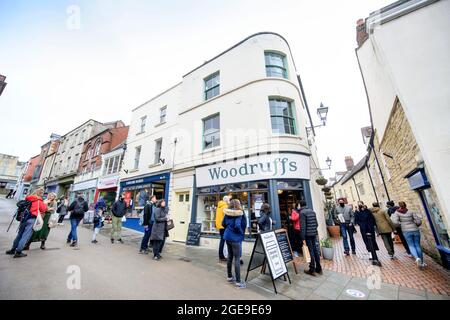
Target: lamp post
column 322, row 112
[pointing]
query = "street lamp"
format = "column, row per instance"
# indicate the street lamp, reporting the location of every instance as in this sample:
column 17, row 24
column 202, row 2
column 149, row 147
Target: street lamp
column 322, row 112
column 328, row 162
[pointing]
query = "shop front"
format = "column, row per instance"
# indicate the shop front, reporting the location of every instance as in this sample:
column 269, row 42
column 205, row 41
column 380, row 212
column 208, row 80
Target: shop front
column 107, row 189
column 87, row 189
column 281, row 180
column 138, row 191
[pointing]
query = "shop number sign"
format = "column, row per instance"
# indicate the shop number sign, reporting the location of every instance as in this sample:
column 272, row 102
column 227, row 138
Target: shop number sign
column 269, row 166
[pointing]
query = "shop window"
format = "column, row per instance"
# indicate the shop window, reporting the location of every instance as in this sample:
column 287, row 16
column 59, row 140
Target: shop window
column 158, row 146
column 142, row 126
column 162, row 114
column 212, row 85
column 137, row 155
column 276, row 65
column 211, row 132
column 282, row 116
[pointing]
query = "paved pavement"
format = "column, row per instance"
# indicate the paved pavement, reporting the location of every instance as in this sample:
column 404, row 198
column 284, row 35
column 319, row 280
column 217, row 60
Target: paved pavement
column 118, row 272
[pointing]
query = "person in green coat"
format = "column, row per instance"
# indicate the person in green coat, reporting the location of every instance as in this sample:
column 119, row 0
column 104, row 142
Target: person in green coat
column 42, row 234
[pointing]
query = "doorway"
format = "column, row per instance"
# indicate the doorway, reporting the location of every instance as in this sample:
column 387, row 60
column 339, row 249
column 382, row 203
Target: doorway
column 180, row 216
column 287, row 200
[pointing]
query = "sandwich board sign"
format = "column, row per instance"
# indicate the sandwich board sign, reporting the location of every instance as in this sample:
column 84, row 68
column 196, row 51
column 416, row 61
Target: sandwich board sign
column 267, row 250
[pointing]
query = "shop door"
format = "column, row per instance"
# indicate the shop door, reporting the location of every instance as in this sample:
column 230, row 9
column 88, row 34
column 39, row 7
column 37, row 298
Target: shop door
column 180, row 216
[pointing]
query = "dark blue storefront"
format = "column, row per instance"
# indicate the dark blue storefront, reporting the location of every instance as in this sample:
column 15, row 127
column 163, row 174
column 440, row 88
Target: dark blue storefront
column 138, row 190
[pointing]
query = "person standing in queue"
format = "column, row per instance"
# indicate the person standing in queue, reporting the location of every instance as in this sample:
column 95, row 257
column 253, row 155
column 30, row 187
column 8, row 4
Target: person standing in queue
column 118, row 210
column 297, row 238
column 235, row 224
column 159, row 229
column 308, row 231
column 223, row 204
column 346, row 218
column 147, row 223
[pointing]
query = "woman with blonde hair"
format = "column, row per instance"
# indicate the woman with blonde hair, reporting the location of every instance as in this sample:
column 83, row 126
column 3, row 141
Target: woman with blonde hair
column 42, row 235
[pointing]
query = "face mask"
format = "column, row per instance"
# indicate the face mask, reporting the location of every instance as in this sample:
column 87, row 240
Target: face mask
column 342, row 204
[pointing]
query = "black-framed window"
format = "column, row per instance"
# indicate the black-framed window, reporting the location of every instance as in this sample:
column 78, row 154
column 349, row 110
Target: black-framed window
column 275, row 64
column 212, row 85
column 211, row 132
column 282, row 116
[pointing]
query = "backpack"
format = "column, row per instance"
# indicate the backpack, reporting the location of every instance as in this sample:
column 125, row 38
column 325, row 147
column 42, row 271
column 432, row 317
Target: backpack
column 23, row 209
column 78, row 210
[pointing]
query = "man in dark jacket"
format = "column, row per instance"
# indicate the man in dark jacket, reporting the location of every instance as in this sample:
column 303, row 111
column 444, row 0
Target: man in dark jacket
column 119, row 209
column 148, row 220
column 77, row 210
column 308, row 232
column 391, row 208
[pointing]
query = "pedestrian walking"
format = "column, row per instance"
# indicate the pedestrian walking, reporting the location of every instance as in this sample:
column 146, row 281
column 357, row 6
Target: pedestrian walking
column 366, row 222
column 99, row 209
column 385, row 227
column 346, row 217
column 235, row 224
column 159, row 229
column 391, row 208
column 42, row 234
column 223, row 204
column 308, row 231
column 410, row 222
column 26, row 225
column 296, row 235
column 147, row 222
column 118, row 210
column 9, row 195
column 63, row 209
column 77, row 210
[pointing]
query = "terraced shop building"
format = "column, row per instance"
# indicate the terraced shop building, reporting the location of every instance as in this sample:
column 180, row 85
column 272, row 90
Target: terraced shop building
column 236, row 125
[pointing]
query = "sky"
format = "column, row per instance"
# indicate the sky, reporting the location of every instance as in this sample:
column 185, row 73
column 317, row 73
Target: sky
column 70, row 61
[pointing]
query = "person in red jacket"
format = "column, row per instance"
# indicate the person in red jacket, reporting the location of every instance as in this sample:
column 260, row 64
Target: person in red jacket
column 26, row 225
column 295, row 218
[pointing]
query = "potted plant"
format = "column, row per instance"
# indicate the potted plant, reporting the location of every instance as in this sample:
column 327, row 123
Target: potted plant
column 332, row 227
column 326, row 189
column 327, row 248
column 321, row 181
column 328, row 194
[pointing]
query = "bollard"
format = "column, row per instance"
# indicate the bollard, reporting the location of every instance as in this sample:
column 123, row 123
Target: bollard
column 372, row 250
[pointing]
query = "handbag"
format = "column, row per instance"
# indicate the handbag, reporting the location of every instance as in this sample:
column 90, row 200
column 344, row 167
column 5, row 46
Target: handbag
column 39, row 222
column 170, row 225
column 306, row 254
column 124, row 219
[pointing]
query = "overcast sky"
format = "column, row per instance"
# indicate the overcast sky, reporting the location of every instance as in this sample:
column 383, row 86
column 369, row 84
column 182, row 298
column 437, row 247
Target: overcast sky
column 127, row 51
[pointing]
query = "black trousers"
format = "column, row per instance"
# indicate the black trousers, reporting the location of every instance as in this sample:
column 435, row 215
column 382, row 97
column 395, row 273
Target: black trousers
column 158, row 246
column 314, row 265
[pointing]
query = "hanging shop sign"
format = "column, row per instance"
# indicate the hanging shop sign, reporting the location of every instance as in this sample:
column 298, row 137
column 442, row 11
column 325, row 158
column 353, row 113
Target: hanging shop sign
column 107, row 183
column 91, row 184
column 269, row 166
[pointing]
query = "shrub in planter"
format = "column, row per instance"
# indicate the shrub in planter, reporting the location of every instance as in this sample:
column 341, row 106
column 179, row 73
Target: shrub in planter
column 327, row 194
column 327, row 248
column 326, row 189
column 334, row 231
column 321, row 181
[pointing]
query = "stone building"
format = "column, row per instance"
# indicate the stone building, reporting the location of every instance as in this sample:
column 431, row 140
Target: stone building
column 403, row 52
column 10, row 170
column 47, row 149
column 24, row 184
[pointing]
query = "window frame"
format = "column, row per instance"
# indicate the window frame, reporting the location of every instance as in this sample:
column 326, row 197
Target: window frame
column 203, row 131
column 161, row 115
column 293, row 116
column 207, row 90
column 137, row 156
column 143, row 124
column 157, row 142
column 285, row 72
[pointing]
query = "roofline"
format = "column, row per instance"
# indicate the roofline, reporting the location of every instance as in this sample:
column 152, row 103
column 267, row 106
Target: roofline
column 64, row 135
column 241, row 42
column 157, row 96
column 353, row 172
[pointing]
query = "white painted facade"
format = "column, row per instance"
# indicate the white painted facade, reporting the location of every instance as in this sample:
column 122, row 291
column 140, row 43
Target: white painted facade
column 408, row 58
column 245, row 121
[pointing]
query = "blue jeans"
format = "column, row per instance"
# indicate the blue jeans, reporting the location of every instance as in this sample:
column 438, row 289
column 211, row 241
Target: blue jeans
column 146, row 238
column 234, row 251
column 221, row 244
column 346, row 228
column 413, row 240
column 73, row 230
column 24, row 234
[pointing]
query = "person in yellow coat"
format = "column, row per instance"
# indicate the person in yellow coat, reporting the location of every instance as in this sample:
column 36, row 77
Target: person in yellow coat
column 223, row 204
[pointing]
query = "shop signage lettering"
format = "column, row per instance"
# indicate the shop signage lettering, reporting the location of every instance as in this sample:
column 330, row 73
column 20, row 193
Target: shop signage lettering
column 272, row 166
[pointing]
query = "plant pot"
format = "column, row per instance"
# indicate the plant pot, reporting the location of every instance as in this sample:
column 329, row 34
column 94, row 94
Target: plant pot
column 334, row 231
column 327, row 194
column 328, row 253
column 326, row 189
column 321, row 181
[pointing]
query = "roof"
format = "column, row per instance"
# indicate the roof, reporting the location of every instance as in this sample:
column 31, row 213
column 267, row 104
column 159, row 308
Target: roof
column 358, row 167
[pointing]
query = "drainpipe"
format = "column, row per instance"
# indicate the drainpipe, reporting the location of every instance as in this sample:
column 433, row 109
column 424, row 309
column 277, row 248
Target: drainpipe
column 371, row 183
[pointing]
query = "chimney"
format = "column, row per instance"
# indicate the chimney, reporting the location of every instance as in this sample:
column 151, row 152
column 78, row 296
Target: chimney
column 349, row 163
column 361, row 34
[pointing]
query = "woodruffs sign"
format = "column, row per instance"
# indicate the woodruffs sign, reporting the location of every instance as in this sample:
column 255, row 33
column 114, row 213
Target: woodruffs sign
column 272, row 166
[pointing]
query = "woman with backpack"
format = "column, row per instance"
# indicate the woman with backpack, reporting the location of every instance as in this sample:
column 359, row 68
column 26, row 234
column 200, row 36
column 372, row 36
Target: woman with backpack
column 235, row 224
column 77, row 210
column 37, row 206
column 62, row 209
column 42, row 234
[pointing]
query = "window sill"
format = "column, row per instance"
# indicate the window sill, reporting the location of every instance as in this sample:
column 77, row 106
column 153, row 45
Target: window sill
column 133, row 170
column 211, row 150
column 159, row 124
column 140, row 132
column 286, row 135
column 153, row 165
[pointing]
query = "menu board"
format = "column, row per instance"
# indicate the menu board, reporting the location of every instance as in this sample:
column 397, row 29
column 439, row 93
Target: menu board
column 194, row 232
column 285, row 246
column 274, row 256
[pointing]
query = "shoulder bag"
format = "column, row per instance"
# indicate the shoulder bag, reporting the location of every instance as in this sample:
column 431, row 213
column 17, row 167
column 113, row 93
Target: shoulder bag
column 39, row 222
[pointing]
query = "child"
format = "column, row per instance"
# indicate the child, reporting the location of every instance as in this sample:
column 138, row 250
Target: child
column 98, row 224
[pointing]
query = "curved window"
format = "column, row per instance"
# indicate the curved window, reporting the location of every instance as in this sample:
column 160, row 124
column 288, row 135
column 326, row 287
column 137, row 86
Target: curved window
column 276, row 65
column 282, row 116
